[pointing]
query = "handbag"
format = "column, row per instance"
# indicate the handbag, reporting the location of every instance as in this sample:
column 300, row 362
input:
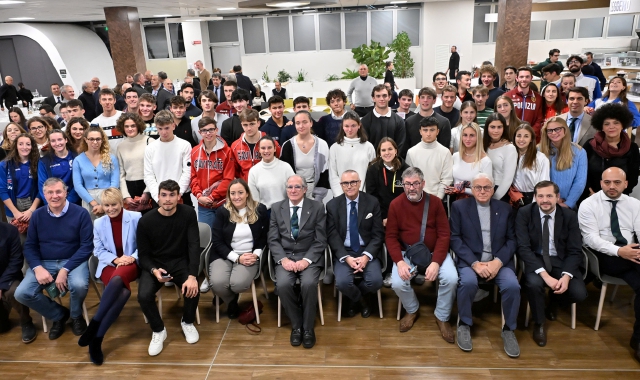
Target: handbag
column 419, row 254
column 139, row 205
column 247, row 317
column 22, row 226
column 516, row 198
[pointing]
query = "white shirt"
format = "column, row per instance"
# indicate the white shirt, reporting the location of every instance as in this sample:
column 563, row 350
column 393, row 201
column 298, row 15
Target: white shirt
column 299, row 212
column 242, row 240
column 388, row 114
column 552, row 241
column 588, row 83
column 108, row 125
column 526, row 179
column 594, row 217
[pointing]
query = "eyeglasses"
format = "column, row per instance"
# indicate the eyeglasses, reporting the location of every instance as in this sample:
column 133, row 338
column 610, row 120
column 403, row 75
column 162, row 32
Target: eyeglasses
column 480, row 188
column 208, row 131
column 555, row 130
column 294, row 187
column 37, row 128
column 573, row 61
column 349, row 183
column 411, row 184
column 441, row 79
column 92, row 140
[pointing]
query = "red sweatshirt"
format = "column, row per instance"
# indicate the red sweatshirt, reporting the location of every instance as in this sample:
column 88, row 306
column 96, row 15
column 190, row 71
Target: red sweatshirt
column 528, row 108
column 211, row 173
column 403, row 226
column 244, row 158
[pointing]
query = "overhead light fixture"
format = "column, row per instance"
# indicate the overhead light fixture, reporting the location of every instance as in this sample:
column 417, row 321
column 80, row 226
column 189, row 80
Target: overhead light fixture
column 310, row 11
column 193, row 20
column 227, row 9
column 10, row 2
column 21, row 18
column 162, row 15
column 399, row 2
column 287, row 4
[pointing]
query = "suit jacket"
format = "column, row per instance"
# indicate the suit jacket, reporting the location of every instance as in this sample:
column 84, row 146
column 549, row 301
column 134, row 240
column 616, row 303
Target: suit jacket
column 586, row 129
column 223, row 230
column 312, row 238
column 88, row 104
column 221, row 98
column 139, row 89
column 466, row 233
column 245, row 82
column 104, row 247
column 162, row 100
column 369, row 225
column 566, row 236
column 50, row 100
column 11, row 258
column 205, row 77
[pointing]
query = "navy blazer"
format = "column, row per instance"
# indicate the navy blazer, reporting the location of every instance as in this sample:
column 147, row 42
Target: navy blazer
column 466, row 234
column 223, row 230
column 11, row 259
column 104, row 246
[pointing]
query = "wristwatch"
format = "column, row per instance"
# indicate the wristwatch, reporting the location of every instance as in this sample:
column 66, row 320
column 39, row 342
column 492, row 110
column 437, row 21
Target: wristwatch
column 153, row 270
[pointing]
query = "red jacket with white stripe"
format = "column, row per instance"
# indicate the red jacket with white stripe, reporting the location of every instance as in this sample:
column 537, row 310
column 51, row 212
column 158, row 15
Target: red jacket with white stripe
column 528, row 108
column 211, row 173
column 244, row 158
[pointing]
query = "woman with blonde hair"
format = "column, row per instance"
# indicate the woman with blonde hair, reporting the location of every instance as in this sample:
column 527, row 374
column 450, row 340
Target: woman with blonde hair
column 533, row 165
column 468, row 114
column 9, row 135
column 239, row 236
column 94, row 170
column 568, row 161
column 470, row 160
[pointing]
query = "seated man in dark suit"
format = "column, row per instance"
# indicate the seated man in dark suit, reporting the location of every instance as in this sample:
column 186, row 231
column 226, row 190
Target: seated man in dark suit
column 550, row 244
column 484, row 241
column 297, row 240
column 355, row 233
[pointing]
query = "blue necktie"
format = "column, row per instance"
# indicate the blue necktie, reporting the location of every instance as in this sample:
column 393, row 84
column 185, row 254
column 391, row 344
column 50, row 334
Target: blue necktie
column 354, row 236
column 295, row 229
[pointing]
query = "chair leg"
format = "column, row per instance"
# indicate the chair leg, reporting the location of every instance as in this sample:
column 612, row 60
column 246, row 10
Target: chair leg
column 279, row 312
column 495, row 294
column 573, row 316
column 95, row 287
column 527, row 315
column 603, row 293
column 380, row 303
column 339, row 304
column 217, row 308
column 399, row 308
column 159, row 294
column 45, row 328
column 255, row 301
column 335, row 291
column 502, row 312
column 197, row 315
column 320, row 305
column 615, row 291
column 84, row 311
column 264, row 286
column 145, row 318
column 178, row 291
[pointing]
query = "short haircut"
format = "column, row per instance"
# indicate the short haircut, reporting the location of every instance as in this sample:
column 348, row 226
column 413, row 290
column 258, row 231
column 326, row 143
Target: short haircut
column 412, row 171
column 438, row 73
column 449, row 88
column 163, row 118
column 589, row 54
column 298, row 176
column 112, row 196
column 239, row 94
column 301, row 99
column 616, row 111
column 388, row 63
column 209, row 95
column 54, row 84
column 191, row 72
column 47, row 108
column 216, row 75
column 137, row 77
column 169, row 185
column 187, row 85
column 488, row 69
column 545, row 183
column 428, row 91
column 480, row 89
column 553, row 51
column 206, row 121
column 582, row 91
column 525, row 68
column 162, row 75
column 62, row 105
column 429, row 121
column 405, row 92
column 230, row 83
column 177, row 101
column 379, row 88
column 515, row 70
column 276, row 99
column 482, row 175
column 571, row 58
column 462, row 73
column 73, row 103
column 149, row 98
column 52, row 181
column 107, row 91
column 552, row 68
column 335, row 94
column 248, row 115
column 237, row 68
column 129, row 90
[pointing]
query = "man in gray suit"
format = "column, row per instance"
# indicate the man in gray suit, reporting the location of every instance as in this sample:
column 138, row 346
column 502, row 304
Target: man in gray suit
column 579, row 122
column 297, row 240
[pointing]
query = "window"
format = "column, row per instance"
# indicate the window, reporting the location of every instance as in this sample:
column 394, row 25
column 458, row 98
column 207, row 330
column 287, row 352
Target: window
column 409, row 21
column 355, row 29
column 177, row 41
column 382, row 27
column 330, row 31
column 561, row 29
column 253, row 34
column 304, row 33
column 480, row 27
column 156, row 37
column 591, row 27
column 620, row 26
column 538, row 30
column 278, row 29
column 223, row 31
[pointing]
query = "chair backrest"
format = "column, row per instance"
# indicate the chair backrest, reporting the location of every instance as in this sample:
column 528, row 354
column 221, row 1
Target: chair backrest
column 592, row 260
column 205, row 244
column 93, row 266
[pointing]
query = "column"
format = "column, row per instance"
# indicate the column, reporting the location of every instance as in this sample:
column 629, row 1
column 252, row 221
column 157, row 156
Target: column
column 512, row 38
column 125, row 38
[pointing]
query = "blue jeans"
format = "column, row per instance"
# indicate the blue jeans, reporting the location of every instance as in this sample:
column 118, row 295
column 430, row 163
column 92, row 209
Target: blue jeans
column 30, row 292
column 207, row 215
column 447, row 283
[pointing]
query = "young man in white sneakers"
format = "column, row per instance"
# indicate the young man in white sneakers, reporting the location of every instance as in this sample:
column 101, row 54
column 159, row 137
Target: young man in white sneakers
column 169, row 250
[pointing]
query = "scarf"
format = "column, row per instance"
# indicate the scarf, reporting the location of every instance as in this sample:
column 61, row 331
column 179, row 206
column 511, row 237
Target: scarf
column 604, row 150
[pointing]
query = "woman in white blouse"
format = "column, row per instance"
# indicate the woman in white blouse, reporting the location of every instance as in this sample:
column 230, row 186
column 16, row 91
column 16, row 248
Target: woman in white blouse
column 351, row 151
column 470, row 159
column 268, row 178
column 533, row 165
column 503, row 155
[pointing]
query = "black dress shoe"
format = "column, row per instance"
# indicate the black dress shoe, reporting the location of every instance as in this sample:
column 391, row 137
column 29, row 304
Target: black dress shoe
column 539, row 335
column 57, row 329
column 365, row 310
column 551, row 313
column 233, row 310
column 635, row 344
column 78, row 326
column 29, row 333
column 89, row 334
column 95, row 351
column 351, row 307
column 296, row 337
column 308, row 339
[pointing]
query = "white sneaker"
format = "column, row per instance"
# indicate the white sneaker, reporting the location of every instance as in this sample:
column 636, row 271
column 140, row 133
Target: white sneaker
column 480, row 295
column 205, row 286
column 157, row 340
column 168, row 284
column 190, row 332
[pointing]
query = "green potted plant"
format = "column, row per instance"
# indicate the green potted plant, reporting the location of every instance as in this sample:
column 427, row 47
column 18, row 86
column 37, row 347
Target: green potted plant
column 402, row 62
column 265, row 74
column 374, row 56
column 283, row 76
column 301, row 75
column 350, row 74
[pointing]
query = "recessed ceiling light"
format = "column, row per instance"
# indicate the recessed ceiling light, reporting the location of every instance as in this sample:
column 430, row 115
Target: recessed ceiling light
column 227, row 9
column 162, row 15
column 399, row 2
column 287, row 4
column 10, row 2
column 194, row 20
column 21, row 18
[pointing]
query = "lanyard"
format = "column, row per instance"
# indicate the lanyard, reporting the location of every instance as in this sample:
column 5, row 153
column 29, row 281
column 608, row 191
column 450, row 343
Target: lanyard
column 393, row 185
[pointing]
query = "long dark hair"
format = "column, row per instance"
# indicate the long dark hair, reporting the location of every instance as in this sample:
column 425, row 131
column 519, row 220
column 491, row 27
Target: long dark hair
column 76, row 144
column 50, row 154
column 486, row 139
column 396, row 163
column 34, row 155
column 23, row 120
column 529, row 161
column 623, row 93
column 350, row 115
column 557, row 105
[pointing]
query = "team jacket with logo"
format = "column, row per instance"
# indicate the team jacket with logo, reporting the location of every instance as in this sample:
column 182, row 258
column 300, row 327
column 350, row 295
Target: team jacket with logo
column 211, row 173
column 244, row 158
column 528, row 108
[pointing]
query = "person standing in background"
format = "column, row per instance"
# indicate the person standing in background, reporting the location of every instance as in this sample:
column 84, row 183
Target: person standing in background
column 454, row 63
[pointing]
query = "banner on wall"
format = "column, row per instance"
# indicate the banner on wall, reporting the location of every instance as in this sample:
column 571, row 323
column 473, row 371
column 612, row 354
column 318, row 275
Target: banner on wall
column 624, row 6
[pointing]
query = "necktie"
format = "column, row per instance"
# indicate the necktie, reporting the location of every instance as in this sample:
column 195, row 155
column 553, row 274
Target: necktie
column 615, row 226
column 545, row 244
column 295, row 229
column 354, row 236
column 58, row 101
column 572, row 126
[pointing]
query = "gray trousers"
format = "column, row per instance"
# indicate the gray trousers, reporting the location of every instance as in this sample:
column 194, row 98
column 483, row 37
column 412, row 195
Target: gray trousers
column 301, row 316
column 228, row 279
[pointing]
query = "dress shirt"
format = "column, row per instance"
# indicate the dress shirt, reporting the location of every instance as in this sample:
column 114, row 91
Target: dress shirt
column 299, row 212
column 576, row 133
column 64, row 210
column 552, row 243
column 388, row 114
column 594, row 217
column 347, row 240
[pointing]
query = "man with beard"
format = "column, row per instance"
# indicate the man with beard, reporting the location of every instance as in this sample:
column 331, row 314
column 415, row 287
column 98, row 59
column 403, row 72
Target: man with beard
column 574, row 64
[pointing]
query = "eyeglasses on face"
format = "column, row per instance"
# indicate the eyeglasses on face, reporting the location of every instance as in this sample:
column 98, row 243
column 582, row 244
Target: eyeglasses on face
column 481, row 188
column 94, row 140
column 208, row 131
column 410, row 185
column 36, row 128
column 554, row 130
column 294, row 187
column 349, row 183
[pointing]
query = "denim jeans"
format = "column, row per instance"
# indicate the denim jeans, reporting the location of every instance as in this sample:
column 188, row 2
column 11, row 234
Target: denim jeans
column 30, row 292
column 207, row 215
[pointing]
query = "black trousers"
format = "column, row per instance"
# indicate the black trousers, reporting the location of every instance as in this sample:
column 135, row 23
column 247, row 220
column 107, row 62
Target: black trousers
column 149, row 286
column 628, row 271
column 8, row 302
column 535, row 286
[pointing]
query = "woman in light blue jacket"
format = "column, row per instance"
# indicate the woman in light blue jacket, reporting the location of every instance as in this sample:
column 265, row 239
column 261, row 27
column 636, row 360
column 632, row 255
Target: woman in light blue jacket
column 115, row 246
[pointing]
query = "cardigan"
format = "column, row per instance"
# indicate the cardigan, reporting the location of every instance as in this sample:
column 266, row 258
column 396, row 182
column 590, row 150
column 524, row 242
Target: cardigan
column 571, row 181
column 320, row 163
column 223, row 230
column 88, row 177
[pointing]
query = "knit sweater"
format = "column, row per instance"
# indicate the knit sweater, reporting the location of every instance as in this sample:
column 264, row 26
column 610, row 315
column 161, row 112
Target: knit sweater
column 379, row 127
column 571, row 181
column 131, row 159
column 464, row 171
column 350, row 155
column 436, row 163
column 167, row 160
column 504, row 161
column 328, row 129
column 88, row 177
column 362, row 89
column 268, row 181
column 413, row 131
column 385, row 184
column 69, row 237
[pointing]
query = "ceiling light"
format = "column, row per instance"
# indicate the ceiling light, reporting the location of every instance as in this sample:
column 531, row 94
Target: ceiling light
column 10, row 2
column 399, row 2
column 227, row 9
column 287, row 4
column 21, row 18
column 162, row 15
column 193, row 20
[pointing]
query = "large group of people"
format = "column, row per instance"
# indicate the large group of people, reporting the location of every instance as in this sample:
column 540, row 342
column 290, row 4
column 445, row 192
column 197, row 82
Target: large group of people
column 476, row 185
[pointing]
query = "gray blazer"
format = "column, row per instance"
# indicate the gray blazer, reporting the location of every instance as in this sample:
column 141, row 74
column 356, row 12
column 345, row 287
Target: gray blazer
column 312, row 238
column 586, row 129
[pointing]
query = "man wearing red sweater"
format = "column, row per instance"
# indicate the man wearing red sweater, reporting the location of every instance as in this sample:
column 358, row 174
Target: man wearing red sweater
column 527, row 103
column 403, row 229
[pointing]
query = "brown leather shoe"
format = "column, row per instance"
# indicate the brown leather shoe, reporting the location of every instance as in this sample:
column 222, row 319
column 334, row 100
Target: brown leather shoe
column 539, row 335
column 406, row 323
column 446, row 331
